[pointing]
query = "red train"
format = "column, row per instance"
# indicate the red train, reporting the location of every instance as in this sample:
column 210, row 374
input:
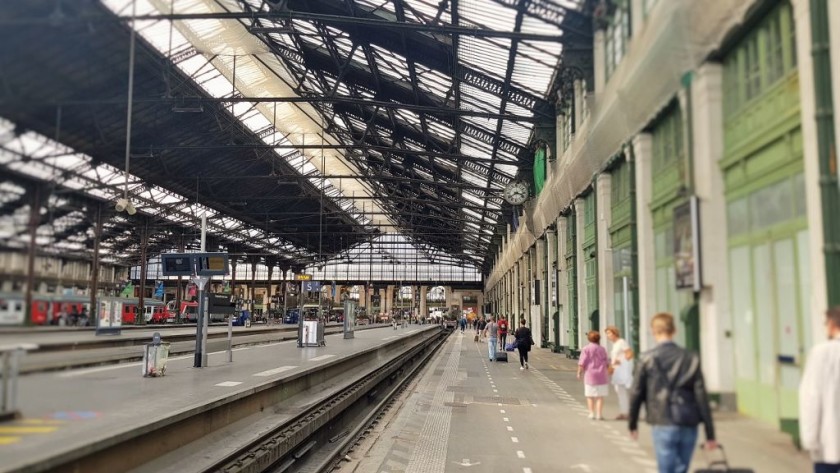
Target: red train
column 47, row 308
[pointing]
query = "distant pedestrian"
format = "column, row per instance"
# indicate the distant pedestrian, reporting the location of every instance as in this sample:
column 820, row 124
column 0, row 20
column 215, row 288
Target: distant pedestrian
column 463, row 323
column 670, row 384
column 819, row 399
column 524, row 341
column 491, row 331
column 503, row 331
column 621, row 368
column 593, row 366
column 482, row 324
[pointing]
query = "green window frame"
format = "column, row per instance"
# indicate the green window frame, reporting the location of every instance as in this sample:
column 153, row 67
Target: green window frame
column 617, row 36
column 568, row 122
column 668, row 147
column 763, row 58
column 620, row 184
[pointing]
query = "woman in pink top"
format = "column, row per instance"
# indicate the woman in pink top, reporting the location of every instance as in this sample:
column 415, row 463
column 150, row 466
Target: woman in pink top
column 593, row 362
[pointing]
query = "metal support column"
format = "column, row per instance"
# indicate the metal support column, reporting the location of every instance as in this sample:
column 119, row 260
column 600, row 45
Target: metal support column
column 94, row 265
column 34, row 223
column 144, row 267
column 826, row 148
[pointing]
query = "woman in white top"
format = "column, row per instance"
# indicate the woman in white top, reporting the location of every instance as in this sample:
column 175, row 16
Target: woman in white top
column 621, row 360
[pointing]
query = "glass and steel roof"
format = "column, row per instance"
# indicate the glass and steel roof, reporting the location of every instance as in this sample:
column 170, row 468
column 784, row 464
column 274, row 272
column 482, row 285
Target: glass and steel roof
column 397, row 117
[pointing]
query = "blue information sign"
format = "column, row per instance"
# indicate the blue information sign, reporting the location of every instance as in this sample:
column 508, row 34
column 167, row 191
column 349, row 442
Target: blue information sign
column 311, row 286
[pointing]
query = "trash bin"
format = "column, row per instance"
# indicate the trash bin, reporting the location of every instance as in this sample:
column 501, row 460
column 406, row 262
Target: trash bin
column 154, row 359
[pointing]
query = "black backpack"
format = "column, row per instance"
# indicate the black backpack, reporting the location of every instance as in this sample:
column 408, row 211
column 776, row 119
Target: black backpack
column 683, row 409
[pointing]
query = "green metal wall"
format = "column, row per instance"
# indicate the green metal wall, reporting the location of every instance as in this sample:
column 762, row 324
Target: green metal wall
column 622, row 231
column 571, row 279
column 590, row 261
column 767, row 227
column 670, row 189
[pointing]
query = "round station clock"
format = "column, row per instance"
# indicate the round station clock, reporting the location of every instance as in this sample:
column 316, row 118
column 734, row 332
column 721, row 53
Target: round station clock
column 516, row 193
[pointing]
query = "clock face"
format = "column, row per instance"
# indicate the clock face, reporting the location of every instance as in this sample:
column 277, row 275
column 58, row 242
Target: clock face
column 516, row 193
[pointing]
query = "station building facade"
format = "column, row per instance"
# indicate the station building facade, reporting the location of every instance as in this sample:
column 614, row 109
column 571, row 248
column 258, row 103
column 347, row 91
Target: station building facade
column 701, row 127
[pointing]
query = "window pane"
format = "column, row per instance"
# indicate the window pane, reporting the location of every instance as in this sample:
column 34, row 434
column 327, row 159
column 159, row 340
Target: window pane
column 764, row 314
column 742, row 312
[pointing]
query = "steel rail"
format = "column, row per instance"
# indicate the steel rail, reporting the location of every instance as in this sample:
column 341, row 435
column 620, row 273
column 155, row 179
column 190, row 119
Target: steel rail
column 289, row 442
column 347, row 443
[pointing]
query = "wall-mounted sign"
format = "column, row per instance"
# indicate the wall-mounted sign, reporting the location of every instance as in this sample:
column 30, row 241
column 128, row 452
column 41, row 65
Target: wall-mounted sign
column 303, row 277
column 687, row 245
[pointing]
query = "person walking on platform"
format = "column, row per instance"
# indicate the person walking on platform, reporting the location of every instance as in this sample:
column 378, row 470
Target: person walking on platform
column 482, row 324
column 524, row 340
column 670, row 384
column 463, row 323
column 819, row 399
column 593, row 368
column 503, row 330
column 491, row 331
column 621, row 367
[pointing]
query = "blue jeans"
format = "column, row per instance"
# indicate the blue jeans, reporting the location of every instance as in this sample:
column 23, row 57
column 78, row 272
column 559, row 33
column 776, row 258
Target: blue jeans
column 674, row 446
column 491, row 345
column 826, row 467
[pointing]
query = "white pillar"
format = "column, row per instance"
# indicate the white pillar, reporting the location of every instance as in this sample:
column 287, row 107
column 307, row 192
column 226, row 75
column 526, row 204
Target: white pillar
column 643, row 152
column 637, row 16
column 599, row 57
column 563, row 280
column 424, row 310
column 603, row 212
column 818, row 292
column 580, row 208
column 715, row 319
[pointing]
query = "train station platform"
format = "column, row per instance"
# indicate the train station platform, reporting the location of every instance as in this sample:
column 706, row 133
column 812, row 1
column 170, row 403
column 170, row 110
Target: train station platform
column 74, row 348
column 468, row 414
column 74, row 413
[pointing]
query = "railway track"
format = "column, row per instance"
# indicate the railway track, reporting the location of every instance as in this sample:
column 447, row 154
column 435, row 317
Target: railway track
column 318, row 438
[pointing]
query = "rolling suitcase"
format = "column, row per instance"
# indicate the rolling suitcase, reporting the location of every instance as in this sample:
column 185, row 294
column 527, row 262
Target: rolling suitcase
column 476, row 338
column 722, row 466
column 501, row 356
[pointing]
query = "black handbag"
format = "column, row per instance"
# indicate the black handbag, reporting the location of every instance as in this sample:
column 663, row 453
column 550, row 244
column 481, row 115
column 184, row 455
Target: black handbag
column 682, row 404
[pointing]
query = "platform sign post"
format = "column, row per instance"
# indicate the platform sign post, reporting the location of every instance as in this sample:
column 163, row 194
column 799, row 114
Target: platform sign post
column 349, row 319
column 200, row 360
column 302, row 278
column 199, row 267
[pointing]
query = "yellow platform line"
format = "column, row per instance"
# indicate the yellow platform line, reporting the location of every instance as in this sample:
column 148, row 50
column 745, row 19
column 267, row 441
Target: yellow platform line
column 26, row 430
column 6, row 440
column 40, row 422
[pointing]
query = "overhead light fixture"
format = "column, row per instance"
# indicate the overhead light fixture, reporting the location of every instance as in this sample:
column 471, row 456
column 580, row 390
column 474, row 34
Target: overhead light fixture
column 271, row 29
column 188, row 109
column 125, row 205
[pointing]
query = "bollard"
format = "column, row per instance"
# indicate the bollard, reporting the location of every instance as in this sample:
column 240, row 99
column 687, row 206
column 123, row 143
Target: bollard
column 230, row 339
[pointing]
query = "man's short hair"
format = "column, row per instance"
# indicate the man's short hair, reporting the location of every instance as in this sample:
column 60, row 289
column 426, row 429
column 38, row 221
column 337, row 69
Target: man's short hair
column 833, row 315
column 663, row 323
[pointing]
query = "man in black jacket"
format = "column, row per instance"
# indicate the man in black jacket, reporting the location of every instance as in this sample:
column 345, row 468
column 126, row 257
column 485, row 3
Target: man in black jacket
column 670, row 383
